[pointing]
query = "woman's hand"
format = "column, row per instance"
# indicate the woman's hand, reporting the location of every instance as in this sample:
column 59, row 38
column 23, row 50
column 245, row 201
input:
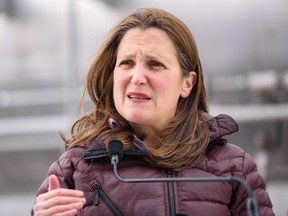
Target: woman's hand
column 58, row 201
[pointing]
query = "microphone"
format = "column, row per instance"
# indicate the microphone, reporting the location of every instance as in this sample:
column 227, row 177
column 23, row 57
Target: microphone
column 115, row 148
column 115, row 151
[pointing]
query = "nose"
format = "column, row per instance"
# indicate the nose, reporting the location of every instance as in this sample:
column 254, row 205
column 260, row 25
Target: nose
column 139, row 76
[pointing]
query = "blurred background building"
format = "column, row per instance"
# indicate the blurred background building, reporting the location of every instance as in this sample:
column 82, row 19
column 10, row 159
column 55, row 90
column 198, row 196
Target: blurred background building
column 47, row 46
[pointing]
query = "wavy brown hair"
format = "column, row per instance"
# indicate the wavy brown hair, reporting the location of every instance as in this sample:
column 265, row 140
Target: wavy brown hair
column 183, row 142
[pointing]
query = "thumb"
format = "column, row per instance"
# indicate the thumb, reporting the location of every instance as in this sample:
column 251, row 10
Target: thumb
column 53, row 182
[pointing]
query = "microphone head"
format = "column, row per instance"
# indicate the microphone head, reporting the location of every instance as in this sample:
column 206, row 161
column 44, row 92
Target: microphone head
column 115, row 147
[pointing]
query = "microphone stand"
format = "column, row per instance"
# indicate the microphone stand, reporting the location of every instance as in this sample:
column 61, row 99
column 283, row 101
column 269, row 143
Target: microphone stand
column 252, row 206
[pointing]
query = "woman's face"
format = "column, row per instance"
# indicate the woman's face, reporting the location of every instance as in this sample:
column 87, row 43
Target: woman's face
column 148, row 80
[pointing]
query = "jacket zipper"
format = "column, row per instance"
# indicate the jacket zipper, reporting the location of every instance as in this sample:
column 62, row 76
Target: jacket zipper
column 100, row 194
column 171, row 194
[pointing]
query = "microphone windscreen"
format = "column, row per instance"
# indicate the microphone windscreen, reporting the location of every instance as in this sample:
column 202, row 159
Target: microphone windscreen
column 115, row 147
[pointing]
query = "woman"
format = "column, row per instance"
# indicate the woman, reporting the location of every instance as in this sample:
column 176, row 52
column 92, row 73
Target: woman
column 147, row 87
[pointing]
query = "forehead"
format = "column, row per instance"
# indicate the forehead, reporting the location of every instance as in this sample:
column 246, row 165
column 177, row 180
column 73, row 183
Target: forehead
column 151, row 39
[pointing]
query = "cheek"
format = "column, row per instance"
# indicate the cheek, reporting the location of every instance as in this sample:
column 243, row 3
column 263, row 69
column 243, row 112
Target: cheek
column 165, row 86
column 160, row 83
column 118, row 86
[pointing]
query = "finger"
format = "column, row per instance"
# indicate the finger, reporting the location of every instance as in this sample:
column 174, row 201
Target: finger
column 72, row 212
column 59, row 192
column 59, row 204
column 43, row 202
column 57, row 201
column 53, row 182
column 59, row 210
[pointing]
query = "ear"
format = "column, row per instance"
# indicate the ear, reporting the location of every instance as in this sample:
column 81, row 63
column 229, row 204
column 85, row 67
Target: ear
column 188, row 83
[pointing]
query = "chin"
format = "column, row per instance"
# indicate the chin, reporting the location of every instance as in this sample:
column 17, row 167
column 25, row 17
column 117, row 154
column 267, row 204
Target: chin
column 134, row 115
column 136, row 119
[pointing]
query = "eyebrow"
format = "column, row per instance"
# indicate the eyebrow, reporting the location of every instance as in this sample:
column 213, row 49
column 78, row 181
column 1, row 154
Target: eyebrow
column 149, row 56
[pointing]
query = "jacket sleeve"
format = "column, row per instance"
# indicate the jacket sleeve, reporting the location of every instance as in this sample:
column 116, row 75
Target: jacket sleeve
column 257, row 184
column 63, row 168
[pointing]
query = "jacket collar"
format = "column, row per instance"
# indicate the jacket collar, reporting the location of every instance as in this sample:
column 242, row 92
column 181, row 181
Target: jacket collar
column 219, row 126
column 96, row 149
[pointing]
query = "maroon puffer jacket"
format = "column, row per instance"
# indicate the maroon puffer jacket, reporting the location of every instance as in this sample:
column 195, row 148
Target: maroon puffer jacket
column 89, row 169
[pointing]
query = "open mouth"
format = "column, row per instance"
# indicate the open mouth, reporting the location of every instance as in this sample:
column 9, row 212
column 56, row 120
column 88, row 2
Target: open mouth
column 138, row 97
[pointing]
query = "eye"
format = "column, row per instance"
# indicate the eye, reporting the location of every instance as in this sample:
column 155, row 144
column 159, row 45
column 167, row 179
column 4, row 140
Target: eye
column 126, row 63
column 156, row 64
